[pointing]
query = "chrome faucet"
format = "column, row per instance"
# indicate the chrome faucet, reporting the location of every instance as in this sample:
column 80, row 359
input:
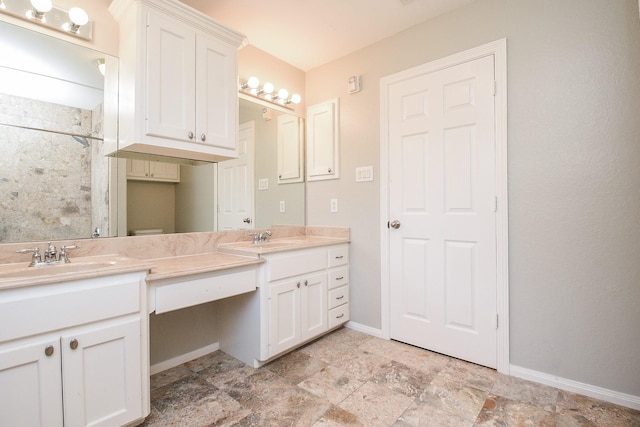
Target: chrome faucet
column 51, row 255
column 261, row 237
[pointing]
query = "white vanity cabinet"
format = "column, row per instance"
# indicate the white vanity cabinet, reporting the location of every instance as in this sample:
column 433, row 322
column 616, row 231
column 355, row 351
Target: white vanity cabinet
column 178, row 81
column 292, row 306
column 74, row 353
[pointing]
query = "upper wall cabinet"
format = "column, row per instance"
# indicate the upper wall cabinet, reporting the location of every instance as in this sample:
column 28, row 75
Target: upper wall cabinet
column 290, row 149
column 178, row 81
column 323, row 141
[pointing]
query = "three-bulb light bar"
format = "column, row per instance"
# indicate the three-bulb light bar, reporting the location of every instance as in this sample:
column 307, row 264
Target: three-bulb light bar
column 268, row 93
column 75, row 21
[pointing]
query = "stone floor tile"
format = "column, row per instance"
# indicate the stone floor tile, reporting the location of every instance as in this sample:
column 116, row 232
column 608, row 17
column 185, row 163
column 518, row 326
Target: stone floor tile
column 361, row 363
column 455, row 398
column 581, row 409
column 500, row 411
column 338, row 417
column 424, row 415
column 296, row 367
column 164, row 378
column 423, row 360
column 526, row 391
column 332, row 384
column 470, row 374
column 401, row 378
column 385, row 348
column 375, row 405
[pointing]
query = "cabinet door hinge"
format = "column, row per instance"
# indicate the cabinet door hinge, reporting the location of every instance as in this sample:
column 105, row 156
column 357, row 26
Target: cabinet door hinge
column 495, row 204
column 497, row 321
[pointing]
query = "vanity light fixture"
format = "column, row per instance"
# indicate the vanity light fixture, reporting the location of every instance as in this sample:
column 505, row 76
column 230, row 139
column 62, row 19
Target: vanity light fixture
column 42, row 12
column 267, row 92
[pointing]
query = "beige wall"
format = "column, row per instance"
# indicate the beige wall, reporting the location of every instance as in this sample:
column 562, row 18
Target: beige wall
column 574, row 179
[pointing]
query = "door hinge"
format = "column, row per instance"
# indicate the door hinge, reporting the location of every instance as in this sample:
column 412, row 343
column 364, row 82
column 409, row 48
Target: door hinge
column 495, row 204
column 495, row 87
column 497, row 321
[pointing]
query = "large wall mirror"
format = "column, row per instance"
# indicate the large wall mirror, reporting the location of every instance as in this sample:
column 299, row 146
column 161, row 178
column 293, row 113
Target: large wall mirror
column 56, row 111
column 57, row 115
column 234, row 194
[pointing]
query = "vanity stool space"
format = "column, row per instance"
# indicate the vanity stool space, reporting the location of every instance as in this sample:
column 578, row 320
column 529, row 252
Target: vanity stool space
column 78, row 356
column 302, row 294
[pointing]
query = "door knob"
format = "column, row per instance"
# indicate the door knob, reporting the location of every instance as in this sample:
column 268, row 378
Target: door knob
column 247, row 220
column 395, row 224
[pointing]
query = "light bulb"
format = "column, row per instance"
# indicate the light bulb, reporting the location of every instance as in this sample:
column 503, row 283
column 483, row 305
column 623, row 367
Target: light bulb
column 283, row 93
column 101, row 66
column 253, row 82
column 268, row 88
column 2, row 5
column 78, row 16
column 42, row 6
column 296, row 98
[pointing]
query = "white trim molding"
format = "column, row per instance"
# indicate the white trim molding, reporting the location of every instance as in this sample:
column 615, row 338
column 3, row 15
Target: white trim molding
column 499, row 50
column 365, row 329
column 184, row 358
column 596, row 392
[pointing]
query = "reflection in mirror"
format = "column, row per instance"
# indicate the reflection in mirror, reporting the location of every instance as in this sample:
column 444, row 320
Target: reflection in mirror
column 175, row 198
column 54, row 178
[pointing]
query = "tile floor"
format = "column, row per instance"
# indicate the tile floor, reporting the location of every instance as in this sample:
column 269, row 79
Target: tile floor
column 348, row 378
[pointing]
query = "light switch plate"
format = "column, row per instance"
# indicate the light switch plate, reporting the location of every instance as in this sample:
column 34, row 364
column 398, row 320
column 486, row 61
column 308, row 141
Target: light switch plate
column 364, row 174
column 263, row 184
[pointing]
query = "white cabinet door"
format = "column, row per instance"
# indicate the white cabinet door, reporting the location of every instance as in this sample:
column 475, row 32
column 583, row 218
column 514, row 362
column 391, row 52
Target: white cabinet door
column 323, row 141
column 102, row 378
column 31, row 384
column 162, row 171
column 170, row 109
column 290, row 152
column 284, row 315
column 314, row 306
column 216, row 97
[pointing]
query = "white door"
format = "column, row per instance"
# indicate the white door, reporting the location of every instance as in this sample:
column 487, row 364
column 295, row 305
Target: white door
column 442, row 189
column 235, row 184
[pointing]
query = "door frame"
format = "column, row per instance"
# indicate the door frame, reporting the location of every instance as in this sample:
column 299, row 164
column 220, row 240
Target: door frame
column 498, row 49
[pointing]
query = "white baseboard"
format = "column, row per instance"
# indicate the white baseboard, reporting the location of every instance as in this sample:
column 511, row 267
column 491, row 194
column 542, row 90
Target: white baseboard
column 364, row 328
column 607, row 395
column 184, row 358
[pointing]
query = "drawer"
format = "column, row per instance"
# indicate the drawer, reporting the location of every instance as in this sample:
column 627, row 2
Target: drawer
column 338, row 315
column 35, row 310
column 339, row 256
column 338, row 277
column 202, row 288
column 296, row 263
column 338, row 296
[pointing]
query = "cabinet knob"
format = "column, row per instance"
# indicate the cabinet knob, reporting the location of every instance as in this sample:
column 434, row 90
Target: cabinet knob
column 73, row 344
column 329, row 170
column 298, row 284
column 306, row 283
column 48, row 351
column 203, row 137
column 190, row 135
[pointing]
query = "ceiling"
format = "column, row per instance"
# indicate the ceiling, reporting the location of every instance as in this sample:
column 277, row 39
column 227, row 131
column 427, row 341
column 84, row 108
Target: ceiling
column 309, row 33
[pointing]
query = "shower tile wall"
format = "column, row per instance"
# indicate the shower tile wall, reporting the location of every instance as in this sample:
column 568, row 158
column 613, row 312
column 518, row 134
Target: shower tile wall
column 45, row 178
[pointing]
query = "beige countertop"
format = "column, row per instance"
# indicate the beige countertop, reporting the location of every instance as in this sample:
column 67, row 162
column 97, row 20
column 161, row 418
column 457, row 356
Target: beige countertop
column 17, row 275
column 278, row 245
column 179, row 266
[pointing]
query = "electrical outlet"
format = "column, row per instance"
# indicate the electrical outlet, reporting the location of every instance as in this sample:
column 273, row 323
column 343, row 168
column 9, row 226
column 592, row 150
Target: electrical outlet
column 334, row 205
column 282, row 206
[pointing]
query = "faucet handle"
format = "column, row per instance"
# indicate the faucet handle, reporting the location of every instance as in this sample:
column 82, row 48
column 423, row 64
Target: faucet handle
column 266, row 235
column 63, row 252
column 35, row 258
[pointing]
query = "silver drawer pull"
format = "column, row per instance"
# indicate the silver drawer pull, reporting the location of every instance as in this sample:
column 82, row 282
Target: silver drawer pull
column 340, row 278
column 341, row 315
column 340, row 257
column 340, row 297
